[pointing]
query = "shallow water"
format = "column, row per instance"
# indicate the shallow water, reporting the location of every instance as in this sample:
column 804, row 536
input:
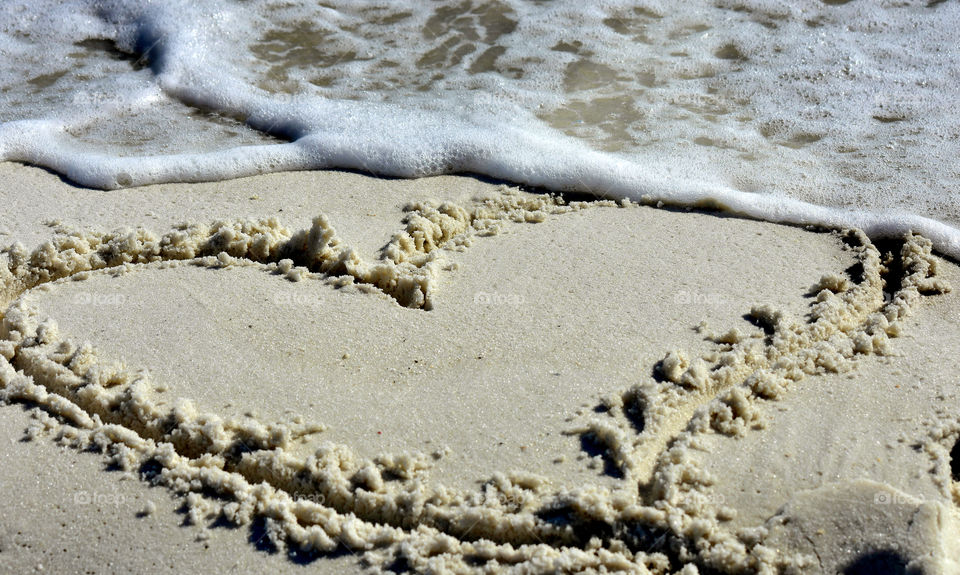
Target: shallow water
column 838, row 113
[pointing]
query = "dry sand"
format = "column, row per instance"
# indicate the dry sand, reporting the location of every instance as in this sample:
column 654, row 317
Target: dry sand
column 450, row 375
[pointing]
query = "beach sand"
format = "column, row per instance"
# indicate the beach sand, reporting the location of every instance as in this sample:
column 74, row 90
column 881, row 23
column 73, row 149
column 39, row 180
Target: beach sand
column 461, row 375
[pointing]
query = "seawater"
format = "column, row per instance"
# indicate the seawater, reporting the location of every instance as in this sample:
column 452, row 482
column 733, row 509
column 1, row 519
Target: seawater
column 830, row 112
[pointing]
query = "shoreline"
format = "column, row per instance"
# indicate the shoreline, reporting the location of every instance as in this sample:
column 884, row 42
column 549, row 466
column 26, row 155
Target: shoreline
column 710, row 198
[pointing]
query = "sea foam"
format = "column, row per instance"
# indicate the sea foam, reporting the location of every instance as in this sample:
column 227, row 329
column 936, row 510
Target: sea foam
column 839, row 114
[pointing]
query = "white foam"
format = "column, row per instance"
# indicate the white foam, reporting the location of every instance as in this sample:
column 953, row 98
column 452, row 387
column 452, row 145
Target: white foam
column 810, row 113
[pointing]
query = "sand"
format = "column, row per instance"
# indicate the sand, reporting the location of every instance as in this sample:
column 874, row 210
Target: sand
column 461, row 376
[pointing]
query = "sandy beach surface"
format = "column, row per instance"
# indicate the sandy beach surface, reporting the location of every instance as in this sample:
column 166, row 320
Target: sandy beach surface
column 257, row 376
